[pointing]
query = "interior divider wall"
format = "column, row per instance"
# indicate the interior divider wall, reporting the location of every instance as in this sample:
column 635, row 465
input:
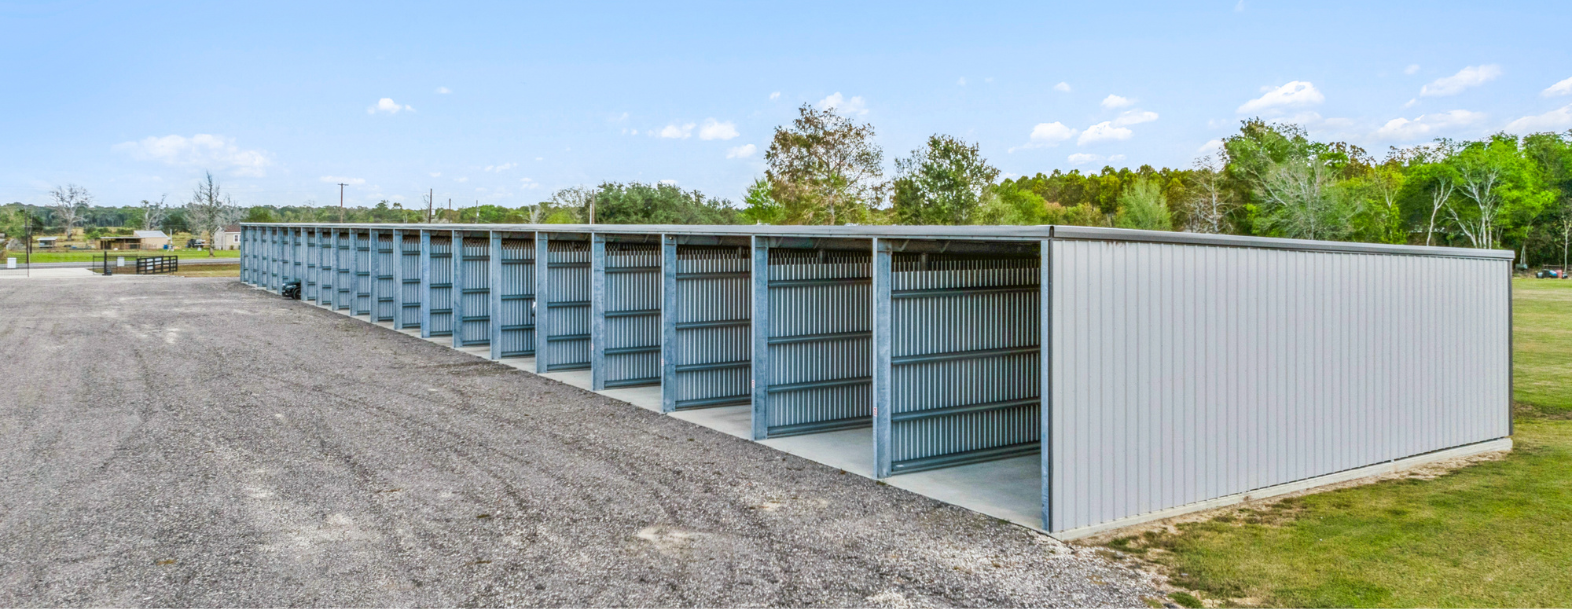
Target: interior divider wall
column 625, row 311
column 957, row 372
column 706, row 341
column 812, row 336
column 562, row 301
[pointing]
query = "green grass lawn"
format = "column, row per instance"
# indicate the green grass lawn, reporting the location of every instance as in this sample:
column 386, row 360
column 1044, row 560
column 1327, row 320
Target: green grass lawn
column 1497, row 533
column 91, row 255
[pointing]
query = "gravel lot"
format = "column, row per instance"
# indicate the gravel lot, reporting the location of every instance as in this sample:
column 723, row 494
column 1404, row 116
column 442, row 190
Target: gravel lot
column 173, row 441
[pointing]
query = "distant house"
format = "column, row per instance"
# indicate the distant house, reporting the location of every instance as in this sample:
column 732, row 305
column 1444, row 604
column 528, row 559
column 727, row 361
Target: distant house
column 47, row 242
column 228, row 239
column 137, row 240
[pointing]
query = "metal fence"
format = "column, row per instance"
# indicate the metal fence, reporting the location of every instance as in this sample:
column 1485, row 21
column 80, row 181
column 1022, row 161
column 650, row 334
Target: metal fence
column 1146, row 371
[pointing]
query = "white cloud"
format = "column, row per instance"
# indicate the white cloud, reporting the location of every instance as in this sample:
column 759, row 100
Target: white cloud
column 1210, row 146
column 443, row 90
column 774, row 96
column 528, row 184
column 1471, row 76
column 1082, row 158
column 1303, row 118
column 962, row 81
column 1135, row 117
column 1116, row 158
column 200, row 151
column 436, row 174
column 1062, row 87
column 1050, row 134
column 461, row 180
column 1411, row 103
column 342, row 180
column 1102, row 132
column 1114, row 101
column 713, row 130
column 617, row 118
column 501, row 168
column 1296, row 93
column 389, row 106
column 673, row 131
column 1412, row 68
column 1426, row 125
column 1554, row 120
column 1561, row 88
column 1239, row 6
column 845, row 106
column 669, row 182
column 741, row 152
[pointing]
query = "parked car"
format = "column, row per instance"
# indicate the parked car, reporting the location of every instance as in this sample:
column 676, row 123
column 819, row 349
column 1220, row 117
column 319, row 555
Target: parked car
column 196, row 244
column 1549, row 274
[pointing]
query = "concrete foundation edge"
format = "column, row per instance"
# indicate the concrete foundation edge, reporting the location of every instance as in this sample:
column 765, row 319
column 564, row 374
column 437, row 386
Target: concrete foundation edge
column 1368, row 471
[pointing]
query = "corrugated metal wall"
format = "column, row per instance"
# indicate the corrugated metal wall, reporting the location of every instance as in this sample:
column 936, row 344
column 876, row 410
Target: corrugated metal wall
column 518, row 298
column 629, row 328
column 567, row 280
column 817, row 359
column 386, row 291
column 1183, row 373
column 476, row 291
column 710, row 354
column 361, row 242
column 409, row 279
column 308, row 286
column 327, row 275
column 344, row 283
column 297, row 264
column 964, row 367
column 440, row 290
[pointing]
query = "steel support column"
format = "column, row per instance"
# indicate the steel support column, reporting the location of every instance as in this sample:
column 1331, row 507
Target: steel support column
column 542, row 300
column 668, row 323
column 456, row 293
column 882, row 262
column 425, row 283
column 598, row 312
column 494, row 297
column 761, row 337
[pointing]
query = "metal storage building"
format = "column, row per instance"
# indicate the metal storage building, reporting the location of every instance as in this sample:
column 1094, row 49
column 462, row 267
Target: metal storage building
column 1135, row 375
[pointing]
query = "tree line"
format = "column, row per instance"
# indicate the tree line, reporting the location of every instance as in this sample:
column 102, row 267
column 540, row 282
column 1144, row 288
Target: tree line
column 1267, row 179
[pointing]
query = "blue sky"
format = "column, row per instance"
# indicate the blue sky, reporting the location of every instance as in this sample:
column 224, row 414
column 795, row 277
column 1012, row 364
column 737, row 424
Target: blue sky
column 507, row 102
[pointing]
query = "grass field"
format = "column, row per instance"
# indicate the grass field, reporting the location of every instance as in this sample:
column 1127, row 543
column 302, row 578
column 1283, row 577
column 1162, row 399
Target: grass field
column 91, row 255
column 1497, row 533
column 208, row 270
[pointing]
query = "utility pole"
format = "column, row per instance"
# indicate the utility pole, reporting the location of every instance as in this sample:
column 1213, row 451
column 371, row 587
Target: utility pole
column 341, row 186
column 431, row 202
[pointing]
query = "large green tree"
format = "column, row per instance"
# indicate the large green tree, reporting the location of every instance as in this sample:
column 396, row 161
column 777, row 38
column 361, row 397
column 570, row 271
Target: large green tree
column 825, row 169
column 639, row 203
column 1143, row 206
column 941, row 183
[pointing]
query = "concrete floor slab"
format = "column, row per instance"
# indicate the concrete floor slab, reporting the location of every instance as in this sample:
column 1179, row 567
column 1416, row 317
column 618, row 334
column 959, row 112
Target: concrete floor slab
column 647, row 398
column 1008, row 489
column 850, row 449
column 730, row 420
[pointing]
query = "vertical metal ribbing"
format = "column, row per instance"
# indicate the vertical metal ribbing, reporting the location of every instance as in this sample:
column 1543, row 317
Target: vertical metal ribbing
column 297, row 256
column 494, row 269
column 516, row 293
column 542, row 299
column 354, row 271
column 364, row 277
column 456, row 293
column 344, row 286
column 1046, row 362
column 598, row 311
column 882, row 262
column 375, row 272
column 668, row 323
column 425, row 283
column 761, row 337
column 398, row 279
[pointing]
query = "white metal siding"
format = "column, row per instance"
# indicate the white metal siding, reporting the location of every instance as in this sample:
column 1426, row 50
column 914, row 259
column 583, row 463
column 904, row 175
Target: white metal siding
column 1182, row 373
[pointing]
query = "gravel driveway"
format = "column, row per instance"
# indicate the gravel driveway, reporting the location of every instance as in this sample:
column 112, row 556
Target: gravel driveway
column 175, row 441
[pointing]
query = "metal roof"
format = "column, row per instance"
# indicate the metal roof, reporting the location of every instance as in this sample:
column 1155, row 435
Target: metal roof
column 978, row 233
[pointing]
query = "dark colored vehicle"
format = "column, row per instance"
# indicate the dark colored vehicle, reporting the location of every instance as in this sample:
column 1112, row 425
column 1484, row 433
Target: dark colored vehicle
column 291, row 290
